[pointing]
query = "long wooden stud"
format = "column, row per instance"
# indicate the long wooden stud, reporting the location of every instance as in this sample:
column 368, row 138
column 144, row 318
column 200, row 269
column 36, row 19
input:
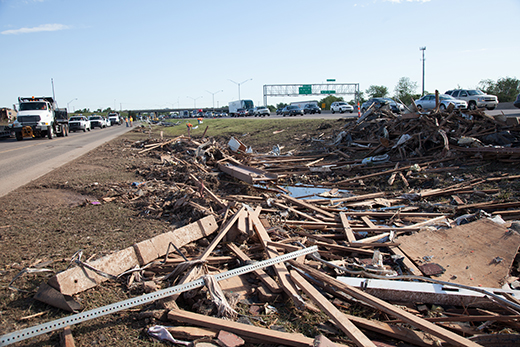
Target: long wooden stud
column 336, row 315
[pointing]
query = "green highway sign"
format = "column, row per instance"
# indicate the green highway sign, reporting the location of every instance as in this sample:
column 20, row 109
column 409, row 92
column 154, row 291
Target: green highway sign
column 331, row 80
column 328, row 92
column 305, row 89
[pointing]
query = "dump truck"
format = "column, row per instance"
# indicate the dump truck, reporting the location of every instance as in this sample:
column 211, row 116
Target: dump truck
column 40, row 117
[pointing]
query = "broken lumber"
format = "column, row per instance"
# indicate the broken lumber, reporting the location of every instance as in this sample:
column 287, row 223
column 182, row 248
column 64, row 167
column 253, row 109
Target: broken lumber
column 249, row 332
column 336, row 315
column 261, row 274
column 379, row 304
column 78, row 279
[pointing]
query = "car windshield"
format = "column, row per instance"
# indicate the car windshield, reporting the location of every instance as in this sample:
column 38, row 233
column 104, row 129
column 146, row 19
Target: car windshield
column 95, row 117
column 392, row 102
column 75, row 118
column 475, row 92
column 30, row 106
column 342, row 103
column 446, row 97
column 292, row 107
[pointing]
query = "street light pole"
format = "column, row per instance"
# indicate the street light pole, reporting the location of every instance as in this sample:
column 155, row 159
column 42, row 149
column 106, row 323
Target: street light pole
column 238, row 84
column 422, row 49
column 194, row 101
column 68, row 103
column 213, row 95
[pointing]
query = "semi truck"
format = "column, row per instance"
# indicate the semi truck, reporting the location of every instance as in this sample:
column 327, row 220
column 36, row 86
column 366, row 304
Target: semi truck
column 40, row 117
column 234, row 106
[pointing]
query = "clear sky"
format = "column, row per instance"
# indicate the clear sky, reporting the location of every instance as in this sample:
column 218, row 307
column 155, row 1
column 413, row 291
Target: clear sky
column 137, row 54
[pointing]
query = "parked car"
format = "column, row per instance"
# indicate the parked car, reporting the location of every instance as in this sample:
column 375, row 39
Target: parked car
column 311, row 109
column 475, row 98
column 341, row 107
column 242, row 112
column 79, row 123
column 107, row 122
column 427, row 102
column 97, row 122
column 517, row 101
column 261, row 111
column 292, row 110
column 394, row 106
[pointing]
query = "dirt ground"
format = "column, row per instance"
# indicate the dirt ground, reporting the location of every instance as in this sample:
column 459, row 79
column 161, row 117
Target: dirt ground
column 45, row 222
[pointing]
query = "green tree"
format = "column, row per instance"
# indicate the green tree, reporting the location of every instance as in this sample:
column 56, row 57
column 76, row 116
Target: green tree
column 281, row 105
column 377, row 91
column 329, row 100
column 405, row 90
column 506, row 88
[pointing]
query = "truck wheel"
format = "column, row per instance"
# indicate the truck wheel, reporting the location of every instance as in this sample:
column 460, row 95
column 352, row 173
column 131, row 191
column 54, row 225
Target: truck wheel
column 66, row 131
column 472, row 105
column 19, row 136
column 50, row 133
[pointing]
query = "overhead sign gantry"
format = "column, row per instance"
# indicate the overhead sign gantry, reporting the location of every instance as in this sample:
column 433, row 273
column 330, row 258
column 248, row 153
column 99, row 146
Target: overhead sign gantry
column 323, row 89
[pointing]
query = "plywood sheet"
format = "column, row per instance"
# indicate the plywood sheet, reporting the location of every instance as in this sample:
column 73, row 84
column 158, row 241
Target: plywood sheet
column 476, row 254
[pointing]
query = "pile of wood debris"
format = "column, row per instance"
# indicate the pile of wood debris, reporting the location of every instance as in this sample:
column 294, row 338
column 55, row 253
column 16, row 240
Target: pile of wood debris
column 428, row 267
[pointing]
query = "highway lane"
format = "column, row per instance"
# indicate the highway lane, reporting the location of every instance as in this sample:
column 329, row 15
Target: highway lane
column 26, row 160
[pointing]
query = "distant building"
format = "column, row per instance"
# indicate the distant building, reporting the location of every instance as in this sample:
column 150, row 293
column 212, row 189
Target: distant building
column 7, row 114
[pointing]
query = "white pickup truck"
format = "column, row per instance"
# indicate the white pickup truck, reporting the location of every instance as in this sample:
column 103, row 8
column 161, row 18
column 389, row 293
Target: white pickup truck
column 79, row 123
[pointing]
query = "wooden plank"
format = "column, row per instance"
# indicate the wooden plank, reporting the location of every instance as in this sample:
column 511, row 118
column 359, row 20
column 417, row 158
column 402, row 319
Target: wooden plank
column 305, row 215
column 66, row 338
column 78, row 279
column 402, row 333
column 280, row 268
column 436, row 220
column 212, row 195
column 336, row 315
column 261, row 274
column 368, row 222
column 379, row 304
column 307, row 205
column 346, row 227
column 157, row 246
column 414, row 270
column 246, row 331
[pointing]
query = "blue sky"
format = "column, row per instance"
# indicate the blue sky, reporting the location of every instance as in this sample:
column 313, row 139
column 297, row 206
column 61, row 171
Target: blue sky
column 137, row 54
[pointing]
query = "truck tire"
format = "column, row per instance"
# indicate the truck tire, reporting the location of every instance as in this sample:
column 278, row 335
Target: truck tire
column 50, row 134
column 472, row 105
column 19, row 136
column 66, row 130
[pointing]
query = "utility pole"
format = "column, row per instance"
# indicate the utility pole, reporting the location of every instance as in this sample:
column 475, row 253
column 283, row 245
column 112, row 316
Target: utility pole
column 422, row 49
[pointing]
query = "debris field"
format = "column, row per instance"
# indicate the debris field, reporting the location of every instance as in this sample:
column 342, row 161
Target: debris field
column 414, row 236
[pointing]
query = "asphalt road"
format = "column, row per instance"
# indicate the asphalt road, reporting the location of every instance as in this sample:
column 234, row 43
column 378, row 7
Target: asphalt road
column 26, row 160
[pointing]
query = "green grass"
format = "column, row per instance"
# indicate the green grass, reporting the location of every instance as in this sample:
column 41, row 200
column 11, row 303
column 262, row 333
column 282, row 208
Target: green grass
column 257, row 133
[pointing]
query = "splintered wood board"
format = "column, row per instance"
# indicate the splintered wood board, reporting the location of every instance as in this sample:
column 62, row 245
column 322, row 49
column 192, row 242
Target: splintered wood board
column 467, row 252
